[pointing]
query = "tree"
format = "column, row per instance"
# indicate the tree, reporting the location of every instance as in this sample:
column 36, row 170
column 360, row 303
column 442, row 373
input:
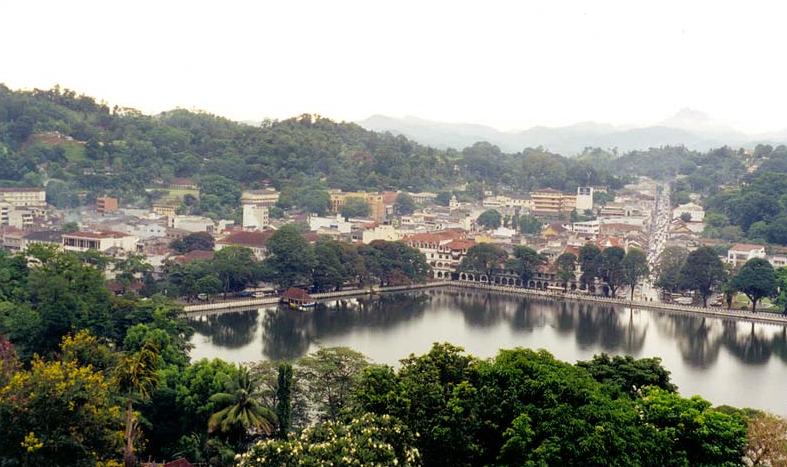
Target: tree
column 685, row 217
column 589, row 261
column 610, row 268
column 58, row 413
column 767, row 440
column 668, row 269
column 526, row 262
column 781, row 284
column 756, row 279
column 70, row 227
column 489, row 219
column 235, row 266
column 776, row 230
column 635, row 267
column 329, row 271
column 194, row 241
column 529, row 225
column 238, row 410
column 484, row 258
column 627, row 374
column 290, row 257
column 443, row 198
column 703, row 272
column 209, row 284
column 355, row 207
column 137, row 378
column 404, row 204
column 284, row 399
column 330, row 376
column 366, row 440
column 566, row 264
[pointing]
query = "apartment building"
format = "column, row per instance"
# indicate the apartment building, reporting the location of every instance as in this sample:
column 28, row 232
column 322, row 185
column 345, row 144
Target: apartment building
column 550, row 202
column 106, row 204
column 100, row 241
column 267, row 197
column 24, row 197
column 374, row 200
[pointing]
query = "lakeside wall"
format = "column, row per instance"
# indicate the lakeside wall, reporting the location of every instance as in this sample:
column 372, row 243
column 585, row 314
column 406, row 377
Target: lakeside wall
column 716, row 312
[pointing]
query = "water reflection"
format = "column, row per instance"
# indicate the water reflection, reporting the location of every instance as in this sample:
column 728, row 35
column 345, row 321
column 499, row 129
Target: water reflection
column 704, row 352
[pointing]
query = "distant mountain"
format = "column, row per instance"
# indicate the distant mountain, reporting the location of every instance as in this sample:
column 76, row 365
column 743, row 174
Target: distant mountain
column 688, row 127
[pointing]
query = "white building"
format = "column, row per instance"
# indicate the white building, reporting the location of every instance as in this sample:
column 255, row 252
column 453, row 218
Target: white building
column 584, row 228
column 388, row 233
column 193, row 223
column 100, row 241
column 317, row 223
column 584, row 198
column 255, row 216
column 692, row 209
column 24, row 197
column 739, row 253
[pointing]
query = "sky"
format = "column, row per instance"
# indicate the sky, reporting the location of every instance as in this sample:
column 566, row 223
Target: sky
column 507, row 64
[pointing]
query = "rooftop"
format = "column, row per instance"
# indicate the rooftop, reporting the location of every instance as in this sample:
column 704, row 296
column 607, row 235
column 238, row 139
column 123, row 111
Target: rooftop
column 746, row 247
column 97, row 235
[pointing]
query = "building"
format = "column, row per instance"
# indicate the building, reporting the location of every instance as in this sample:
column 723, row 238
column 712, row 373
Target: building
column 338, row 224
column 585, row 228
column 584, row 198
column 255, row 216
column 550, row 202
column 434, row 245
column 24, row 197
column 692, row 209
column 423, row 197
column 43, row 237
column 267, row 197
column 102, row 241
column 388, row 233
column 18, row 217
column 166, row 209
column 256, row 241
column 180, row 183
column 739, row 253
column 374, row 200
column 106, row 204
column 193, row 223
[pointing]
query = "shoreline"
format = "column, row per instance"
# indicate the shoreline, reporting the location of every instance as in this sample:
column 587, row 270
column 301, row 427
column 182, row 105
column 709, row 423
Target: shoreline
column 714, row 312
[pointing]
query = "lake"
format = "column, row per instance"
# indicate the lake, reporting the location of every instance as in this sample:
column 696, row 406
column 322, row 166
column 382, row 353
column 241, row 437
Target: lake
column 725, row 361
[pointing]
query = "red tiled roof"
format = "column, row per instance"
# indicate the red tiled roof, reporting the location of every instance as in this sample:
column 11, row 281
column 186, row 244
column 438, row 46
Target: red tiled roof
column 196, row 255
column 460, row 244
column 296, row 294
column 181, row 181
column 430, row 237
column 97, row 234
column 389, row 197
column 617, row 227
column 250, row 239
column 746, row 247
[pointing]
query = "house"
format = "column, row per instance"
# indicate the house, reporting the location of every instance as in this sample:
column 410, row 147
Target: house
column 433, row 246
column 255, row 216
column 102, row 241
column 43, row 237
column 193, row 223
column 695, row 211
column 256, row 241
column 180, row 183
column 739, row 253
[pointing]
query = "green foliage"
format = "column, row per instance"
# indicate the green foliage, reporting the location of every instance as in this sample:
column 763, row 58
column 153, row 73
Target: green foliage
column 484, row 258
column 635, row 267
column 703, row 272
column 238, row 411
column 526, row 262
column 194, row 241
column 365, row 440
column 489, row 219
column 330, row 376
column 668, row 269
column 610, row 268
column 756, row 279
column 781, row 284
column 566, row 264
column 290, row 258
column 589, row 261
column 530, row 225
column 355, row 207
column 284, row 400
column 404, row 204
column 625, row 375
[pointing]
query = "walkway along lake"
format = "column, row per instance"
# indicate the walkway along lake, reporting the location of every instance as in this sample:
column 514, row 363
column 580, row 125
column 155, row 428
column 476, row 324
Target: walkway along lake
column 726, row 361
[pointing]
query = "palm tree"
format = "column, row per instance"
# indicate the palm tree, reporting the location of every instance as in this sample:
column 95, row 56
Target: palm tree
column 240, row 412
column 137, row 377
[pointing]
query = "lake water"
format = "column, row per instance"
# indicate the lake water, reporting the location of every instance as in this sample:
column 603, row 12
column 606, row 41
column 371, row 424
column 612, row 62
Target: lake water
column 725, row 361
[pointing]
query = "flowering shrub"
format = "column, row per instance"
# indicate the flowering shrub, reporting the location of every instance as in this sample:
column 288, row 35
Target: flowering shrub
column 369, row 440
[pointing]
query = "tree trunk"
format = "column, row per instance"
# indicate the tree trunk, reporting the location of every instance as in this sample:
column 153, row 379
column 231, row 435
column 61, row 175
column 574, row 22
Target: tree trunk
column 632, row 293
column 705, row 301
column 129, row 459
column 753, row 305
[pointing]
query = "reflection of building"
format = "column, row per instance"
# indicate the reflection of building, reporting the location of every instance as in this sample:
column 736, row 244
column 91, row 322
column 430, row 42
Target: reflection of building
column 550, row 202
column 374, row 200
column 24, row 197
column 106, row 204
column 100, row 241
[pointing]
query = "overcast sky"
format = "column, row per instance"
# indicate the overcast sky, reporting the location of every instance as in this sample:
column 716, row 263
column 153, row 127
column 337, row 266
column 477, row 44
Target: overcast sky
column 509, row 64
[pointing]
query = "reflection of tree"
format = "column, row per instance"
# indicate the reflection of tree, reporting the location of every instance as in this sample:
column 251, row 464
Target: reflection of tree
column 232, row 330
column 288, row 334
column 780, row 344
column 698, row 343
column 528, row 316
column 752, row 348
column 483, row 309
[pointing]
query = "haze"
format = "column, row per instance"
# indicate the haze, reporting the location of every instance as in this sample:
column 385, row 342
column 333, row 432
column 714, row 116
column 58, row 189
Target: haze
column 504, row 64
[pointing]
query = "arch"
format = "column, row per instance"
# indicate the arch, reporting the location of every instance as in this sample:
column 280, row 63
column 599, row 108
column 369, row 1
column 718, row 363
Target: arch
column 483, row 278
column 538, row 284
column 545, row 285
column 462, row 277
column 573, row 286
column 439, row 274
column 531, row 284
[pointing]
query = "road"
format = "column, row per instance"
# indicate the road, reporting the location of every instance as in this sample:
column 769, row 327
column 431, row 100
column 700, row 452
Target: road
column 659, row 229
